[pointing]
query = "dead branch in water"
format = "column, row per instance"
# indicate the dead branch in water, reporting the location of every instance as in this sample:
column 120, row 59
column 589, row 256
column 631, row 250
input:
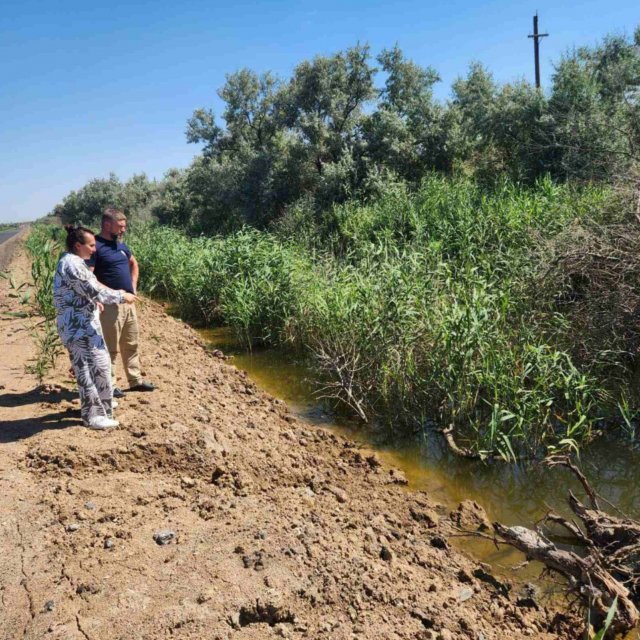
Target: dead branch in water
column 341, row 364
column 610, row 568
column 565, row 461
column 573, row 529
column 596, row 585
column 462, row 452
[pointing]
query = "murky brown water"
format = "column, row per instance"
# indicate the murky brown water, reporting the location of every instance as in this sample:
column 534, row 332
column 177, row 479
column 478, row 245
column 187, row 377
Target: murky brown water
column 511, row 494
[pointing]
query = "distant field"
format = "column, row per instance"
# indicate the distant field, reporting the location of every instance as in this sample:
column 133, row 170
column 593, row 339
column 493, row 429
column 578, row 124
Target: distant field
column 9, row 226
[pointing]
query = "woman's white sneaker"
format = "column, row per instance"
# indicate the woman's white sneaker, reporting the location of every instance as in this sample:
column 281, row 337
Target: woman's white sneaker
column 101, row 423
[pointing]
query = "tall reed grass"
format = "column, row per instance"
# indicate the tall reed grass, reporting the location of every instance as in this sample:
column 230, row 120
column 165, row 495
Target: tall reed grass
column 415, row 308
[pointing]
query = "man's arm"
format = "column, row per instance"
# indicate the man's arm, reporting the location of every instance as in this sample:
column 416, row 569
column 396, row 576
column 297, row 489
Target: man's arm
column 135, row 271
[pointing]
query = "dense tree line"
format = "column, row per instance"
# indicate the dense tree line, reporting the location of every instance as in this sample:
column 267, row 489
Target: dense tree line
column 351, row 126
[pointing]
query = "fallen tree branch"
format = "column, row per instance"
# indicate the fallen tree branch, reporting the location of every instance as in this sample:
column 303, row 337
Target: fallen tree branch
column 604, row 530
column 564, row 461
column 610, row 569
column 595, row 582
column 462, row 452
column 571, row 527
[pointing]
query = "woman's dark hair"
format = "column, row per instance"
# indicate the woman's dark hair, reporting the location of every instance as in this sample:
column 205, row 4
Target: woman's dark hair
column 76, row 234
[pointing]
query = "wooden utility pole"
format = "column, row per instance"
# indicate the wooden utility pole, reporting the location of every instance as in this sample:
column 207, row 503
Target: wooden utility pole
column 536, row 47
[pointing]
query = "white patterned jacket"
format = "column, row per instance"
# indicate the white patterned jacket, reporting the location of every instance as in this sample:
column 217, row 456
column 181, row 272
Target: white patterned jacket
column 76, row 292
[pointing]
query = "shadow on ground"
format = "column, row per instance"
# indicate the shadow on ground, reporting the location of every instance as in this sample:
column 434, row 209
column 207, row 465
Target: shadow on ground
column 14, row 430
column 42, row 393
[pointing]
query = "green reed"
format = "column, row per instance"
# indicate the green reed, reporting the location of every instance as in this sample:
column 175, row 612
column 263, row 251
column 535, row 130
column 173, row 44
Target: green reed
column 44, row 247
column 415, row 309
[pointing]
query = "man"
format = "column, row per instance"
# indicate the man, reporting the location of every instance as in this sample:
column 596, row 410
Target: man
column 114, row 266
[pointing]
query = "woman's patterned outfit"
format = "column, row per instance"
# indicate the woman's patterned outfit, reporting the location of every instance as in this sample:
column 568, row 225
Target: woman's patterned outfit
column 76, row 292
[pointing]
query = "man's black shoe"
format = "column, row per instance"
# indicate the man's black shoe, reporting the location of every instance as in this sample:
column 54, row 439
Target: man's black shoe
column 143, row 386
column 118, row 393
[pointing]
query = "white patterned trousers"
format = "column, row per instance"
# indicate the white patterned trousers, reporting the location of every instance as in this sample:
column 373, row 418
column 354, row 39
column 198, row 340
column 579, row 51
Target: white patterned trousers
column 92, row 367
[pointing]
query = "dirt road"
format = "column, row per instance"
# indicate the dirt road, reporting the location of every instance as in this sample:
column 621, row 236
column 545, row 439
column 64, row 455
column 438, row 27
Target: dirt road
column 273, row 528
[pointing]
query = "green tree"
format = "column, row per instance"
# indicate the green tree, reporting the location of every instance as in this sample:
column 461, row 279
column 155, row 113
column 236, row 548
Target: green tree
column 171, row 205
column 407, row 133
column 519, row 127
column 474, row 104
column 595, row 110
column 325, row 102
column 137, row 196
column 281, row 140
column 85, row 205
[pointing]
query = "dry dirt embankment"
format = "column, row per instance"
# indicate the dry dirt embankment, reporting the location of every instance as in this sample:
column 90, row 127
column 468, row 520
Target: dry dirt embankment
column 281, row 529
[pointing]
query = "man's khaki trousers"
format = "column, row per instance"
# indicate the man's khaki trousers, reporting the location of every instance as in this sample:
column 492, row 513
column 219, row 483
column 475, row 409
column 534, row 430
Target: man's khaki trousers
column 120, row 328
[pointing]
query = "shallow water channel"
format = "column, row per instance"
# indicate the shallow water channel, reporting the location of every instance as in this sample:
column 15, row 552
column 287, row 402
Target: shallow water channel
column 512, row 494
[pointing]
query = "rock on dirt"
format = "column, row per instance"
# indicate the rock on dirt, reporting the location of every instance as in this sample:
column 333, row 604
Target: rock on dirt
column 470, row 516
column 164, row 537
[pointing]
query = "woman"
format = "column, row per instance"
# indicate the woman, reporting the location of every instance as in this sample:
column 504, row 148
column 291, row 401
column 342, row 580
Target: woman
column 77, row 295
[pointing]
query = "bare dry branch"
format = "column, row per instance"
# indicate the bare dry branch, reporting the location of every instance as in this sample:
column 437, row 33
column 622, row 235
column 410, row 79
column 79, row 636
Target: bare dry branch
column 565, row 461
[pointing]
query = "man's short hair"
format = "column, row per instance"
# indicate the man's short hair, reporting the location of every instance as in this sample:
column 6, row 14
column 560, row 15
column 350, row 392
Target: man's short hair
column 112, row 214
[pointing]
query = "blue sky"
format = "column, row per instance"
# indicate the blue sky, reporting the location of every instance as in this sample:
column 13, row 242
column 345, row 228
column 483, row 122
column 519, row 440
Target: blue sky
column 92, row 87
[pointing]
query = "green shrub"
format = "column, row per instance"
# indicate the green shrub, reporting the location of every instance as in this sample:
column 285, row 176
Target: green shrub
column 44, row 246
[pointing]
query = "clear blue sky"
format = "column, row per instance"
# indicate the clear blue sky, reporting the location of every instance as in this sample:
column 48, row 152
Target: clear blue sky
column 92, row 87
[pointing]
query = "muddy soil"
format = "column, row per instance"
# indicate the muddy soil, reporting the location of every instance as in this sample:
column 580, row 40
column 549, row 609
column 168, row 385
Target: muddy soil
column 271, row 527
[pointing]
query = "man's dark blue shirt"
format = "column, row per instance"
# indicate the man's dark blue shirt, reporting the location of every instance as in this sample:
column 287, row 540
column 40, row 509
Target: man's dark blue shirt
column 111, row 264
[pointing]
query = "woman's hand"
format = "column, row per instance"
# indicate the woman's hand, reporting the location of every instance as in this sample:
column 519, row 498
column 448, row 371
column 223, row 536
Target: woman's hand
column 129, row 298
